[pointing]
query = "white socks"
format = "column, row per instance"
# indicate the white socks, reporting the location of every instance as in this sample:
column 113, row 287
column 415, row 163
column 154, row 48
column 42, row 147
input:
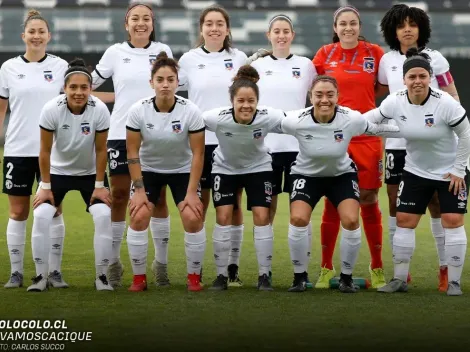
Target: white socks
column 57, row 235
column 137, row 243
column 16, row 237
column 455, row 249
column 103, row 238
column 236, row 239
column 349, row 248
column 298, row 247
column 160, row 229
column 118, row 234
column 439, row 236
column 264, row 247
column 43, row 215
column 221, row 239
column 392, row 227
column 195, row 246
column 404, row 243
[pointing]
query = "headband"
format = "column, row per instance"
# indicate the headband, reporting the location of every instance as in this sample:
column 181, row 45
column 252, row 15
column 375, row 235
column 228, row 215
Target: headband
column 416, row 61
column 345, row 8
column 77, row 71
column 133, row 7
column 278, row 17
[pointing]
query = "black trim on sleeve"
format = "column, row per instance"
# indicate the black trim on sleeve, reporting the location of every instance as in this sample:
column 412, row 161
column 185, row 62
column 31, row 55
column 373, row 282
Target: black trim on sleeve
column 99, row 74
column 4, row 98
column 196, row 131
column 385, row 117
column 101, row 131
column 383, row 85
column 459, row 121
column 132, row 129
column 46, row 129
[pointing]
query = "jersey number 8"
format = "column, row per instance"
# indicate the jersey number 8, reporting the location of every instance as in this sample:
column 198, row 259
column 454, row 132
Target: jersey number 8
column 216, row 184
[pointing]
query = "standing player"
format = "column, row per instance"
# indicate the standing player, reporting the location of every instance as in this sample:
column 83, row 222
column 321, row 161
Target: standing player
column 165, row 146
column 74, row 128
column 206, row 73
column 284, row 82
column 435, row 161
column 405, row 27
column 28, row 82
column 242, row 161
column 323, row 168
column 129, row 64
column 355, row 63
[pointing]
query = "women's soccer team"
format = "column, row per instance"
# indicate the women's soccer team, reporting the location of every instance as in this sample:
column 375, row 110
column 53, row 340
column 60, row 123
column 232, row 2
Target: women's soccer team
column 245, row 126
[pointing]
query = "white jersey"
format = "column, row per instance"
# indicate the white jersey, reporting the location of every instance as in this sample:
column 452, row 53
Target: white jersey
column 324, row 146
column 431, row 146
column 284, row 84
column 165, row 135
column 207, row 77
column 28, row 86
column 391, row 74
column 241, row 147
column 73, row 151
column 130, row 69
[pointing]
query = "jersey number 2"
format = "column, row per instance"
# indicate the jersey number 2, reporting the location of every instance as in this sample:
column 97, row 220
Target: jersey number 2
column 10, row 170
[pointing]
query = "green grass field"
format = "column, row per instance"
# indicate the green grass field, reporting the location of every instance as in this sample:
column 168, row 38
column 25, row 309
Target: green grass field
column 242, row 318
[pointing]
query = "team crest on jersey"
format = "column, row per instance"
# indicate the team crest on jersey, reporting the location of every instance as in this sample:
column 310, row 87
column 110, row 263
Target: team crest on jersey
column 295, row 72
column 462, row 195
column 339, row 137
column 258, row 133
column 333, row 64
column 228, row 64
column 152, row 59
column 429, row 121
column 48, row 76
column 368, row 64
column 176, row 126
column 86, row 130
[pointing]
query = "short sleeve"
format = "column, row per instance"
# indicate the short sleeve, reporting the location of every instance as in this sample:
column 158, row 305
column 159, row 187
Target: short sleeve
column 455, row 113
column 358, row 123
column 289, row 122
column 275, row 119
column 196, row 122
column 319, row 60
column 104, row 69
column 47, row 120
column 441, row 70
column 379, row 53
column 183, row 83
column 387, row 107
column 4, row 88
column 133, row 118
column 210, row 119
column 382, row 76
column 103, row 119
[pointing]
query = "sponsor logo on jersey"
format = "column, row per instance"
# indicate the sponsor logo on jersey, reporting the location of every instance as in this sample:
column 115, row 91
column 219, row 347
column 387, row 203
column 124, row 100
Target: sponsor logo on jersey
column 268, row 73
column 65, row 127
column 429, row 121
column 21, row 76
column 258, row 133
column 48, row 76
column 176, row 126
column 228, row 64
column 339, row 137
column 228, row 134
column 8, row 184
column 150, row 126
column 394, row 68
column 126, row 60
column 333, row 64
column 296, row 72
column 86, row 130
column 268, row 188
column 201, row 66
column 369, row 64
column 461, row 205
column 462, row 195
column 152, row 59
column 403, row 118
column 217, row 196
column 308, row 137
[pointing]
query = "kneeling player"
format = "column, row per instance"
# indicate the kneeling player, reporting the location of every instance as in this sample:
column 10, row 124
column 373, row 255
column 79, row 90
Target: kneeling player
column 323, row 168
column 165, row 146
column 74, row 129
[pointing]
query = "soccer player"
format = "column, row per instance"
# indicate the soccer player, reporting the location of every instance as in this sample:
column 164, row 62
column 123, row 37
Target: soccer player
column 73, row 157
column 206, row 73
column 284, row 82
column 435, row 161
column 129, row 64
column 354, row 63
column 28, row 81
column 405, row 27
column 324, row 168
column 165, row 146
column 242, row 161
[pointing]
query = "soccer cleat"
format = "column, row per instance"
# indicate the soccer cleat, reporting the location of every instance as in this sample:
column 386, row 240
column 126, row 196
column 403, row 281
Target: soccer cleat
column 309, row 284
column 139, row 283
column 264, row 283
column 16, row 280
column 114, row 275
column 160, row 273
column 453, row 289
column 233, row 278
column 325, row 276
column 102, row 284
column 346, row 284
column 377, row 277
column 395, row 285
column 55, row 280
column 194, row 282
column 300, row 282
column 443, row 279
column 40, row 284
column 219, row 284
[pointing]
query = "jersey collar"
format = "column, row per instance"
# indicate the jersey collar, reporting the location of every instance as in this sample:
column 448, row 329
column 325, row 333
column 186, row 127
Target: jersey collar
column 133, row 47
column 158, row 110
column 250, row 123
column 81, row 112
column 316, row 121
column 424, row 101
column 27, row 61
column 287, row 58
column 208, row 52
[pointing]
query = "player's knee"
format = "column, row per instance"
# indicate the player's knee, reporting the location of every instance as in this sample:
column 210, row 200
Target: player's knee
column 350, row 221
column 191, row 222
column 407, row 221
column 120, row 196
column 452, row 220
column 368, row 196
column 141, row 220
column 223, row 217
column 260, row 216
column 19, row 212
column 299, row 220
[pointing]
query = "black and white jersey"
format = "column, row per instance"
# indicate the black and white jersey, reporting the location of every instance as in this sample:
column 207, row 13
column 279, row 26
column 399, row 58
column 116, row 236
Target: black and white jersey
column 391, row 74
column 324, row 146
column 207, row 77
column 431, row 146
column 130, row 69
column 241, row 147
column 284, row 84
column 165, row 135
column 73, row 151
column 28, row 86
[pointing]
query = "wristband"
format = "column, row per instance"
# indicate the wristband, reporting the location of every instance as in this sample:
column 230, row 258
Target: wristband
column 99, row 184
column 45, row 185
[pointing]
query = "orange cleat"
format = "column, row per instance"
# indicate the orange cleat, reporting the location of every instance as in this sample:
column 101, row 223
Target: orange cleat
column 139, row 283
column 194, row 282
column 443, row 279
column 408, row 279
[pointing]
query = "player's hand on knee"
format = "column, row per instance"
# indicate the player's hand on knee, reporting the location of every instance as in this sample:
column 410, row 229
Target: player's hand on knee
column 194, row 203
column 101, row 194
column 138, row 200
column 456, row 184
column 42, row 196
